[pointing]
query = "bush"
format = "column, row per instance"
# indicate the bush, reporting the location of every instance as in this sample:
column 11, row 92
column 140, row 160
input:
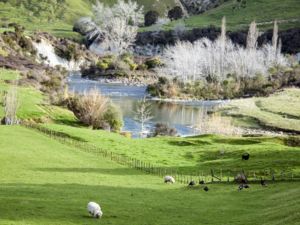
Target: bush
column 153, row 62
column 151, row 18
column 162, row 129
column 3, row 52
column 175, row 13
column 113, row 117
column 95, row 110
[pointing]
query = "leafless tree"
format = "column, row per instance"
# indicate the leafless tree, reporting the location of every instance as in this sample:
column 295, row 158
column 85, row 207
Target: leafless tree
column 118, row 24
column 143, row 113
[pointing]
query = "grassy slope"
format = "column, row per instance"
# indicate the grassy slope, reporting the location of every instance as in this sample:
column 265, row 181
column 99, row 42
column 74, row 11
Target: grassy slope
column 197, row 154
column 259, row 10
column 187, row 154
column 280, row 111
column 44, row 182
column 32, row 103
column 75, row 10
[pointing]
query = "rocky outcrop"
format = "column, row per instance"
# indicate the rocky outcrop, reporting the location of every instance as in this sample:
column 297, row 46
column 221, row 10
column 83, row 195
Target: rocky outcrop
column 290, row 38
column 200, row 6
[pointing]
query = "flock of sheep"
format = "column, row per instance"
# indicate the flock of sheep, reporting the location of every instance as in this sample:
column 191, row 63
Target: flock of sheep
column 95, row 211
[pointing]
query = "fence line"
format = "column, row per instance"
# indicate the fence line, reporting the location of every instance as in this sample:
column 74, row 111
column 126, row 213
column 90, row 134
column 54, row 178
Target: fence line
column 153, row 169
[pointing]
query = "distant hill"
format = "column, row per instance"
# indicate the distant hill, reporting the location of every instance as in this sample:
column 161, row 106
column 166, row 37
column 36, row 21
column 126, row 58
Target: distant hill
column 58, row 16
column 240, row 13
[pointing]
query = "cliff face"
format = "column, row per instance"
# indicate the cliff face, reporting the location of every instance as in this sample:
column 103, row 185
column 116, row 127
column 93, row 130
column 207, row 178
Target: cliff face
column 290, row 38
column 200, row 6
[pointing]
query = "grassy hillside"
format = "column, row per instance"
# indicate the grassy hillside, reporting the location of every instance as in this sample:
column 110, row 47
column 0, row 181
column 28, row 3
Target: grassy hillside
column 62, row 25
column 287, row 12
column 33, row 104
column 259, row 10
column 45, row 182
column 188, row 155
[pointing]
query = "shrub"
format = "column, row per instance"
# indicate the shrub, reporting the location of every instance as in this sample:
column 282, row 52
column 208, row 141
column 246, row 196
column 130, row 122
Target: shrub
column 102, row 65
column 113, row 117
column 162, row 129
column 153, row 62
column 151, row 18
column 95, row 110
column 175, row 13
column 3, row 52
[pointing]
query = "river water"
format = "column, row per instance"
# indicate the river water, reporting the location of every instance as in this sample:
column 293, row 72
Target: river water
column 184, row 116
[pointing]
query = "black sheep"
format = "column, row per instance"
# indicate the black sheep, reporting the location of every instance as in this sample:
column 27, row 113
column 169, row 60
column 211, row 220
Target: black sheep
column 205, row 188
column 192, row 183
column 246, row 186
column 245, row 156
column 201, row 182
column 263, row 182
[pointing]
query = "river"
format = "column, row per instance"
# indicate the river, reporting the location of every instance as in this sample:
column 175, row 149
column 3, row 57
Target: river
column 183, row 116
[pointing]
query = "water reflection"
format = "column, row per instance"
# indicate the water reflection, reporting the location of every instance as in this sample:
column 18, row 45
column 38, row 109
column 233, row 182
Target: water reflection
column 184, row 116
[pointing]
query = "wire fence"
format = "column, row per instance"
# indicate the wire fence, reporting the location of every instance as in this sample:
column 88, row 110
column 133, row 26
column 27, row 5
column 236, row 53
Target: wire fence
column 212, row 176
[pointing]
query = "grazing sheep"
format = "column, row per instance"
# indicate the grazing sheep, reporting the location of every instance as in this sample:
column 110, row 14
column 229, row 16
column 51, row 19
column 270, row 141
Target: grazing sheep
column 242, row 186
column 169, row 179
column 94, row 209
column 241, row 178
column 192, row 183
column 201, row 182
column 245, row 156
column 263, row 182
column 205, row 188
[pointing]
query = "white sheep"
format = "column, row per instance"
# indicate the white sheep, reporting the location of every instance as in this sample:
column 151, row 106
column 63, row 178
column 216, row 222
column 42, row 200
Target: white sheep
column 94, row 209
column 169, row 179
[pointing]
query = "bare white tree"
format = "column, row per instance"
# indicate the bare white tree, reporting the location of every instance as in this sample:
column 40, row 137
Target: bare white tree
column 143, row 113
column 216, row 59
column 275, row 35
column 117, row 26
column 252, row 37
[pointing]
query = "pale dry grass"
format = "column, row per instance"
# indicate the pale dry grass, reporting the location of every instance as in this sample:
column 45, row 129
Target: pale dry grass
column 216, row 124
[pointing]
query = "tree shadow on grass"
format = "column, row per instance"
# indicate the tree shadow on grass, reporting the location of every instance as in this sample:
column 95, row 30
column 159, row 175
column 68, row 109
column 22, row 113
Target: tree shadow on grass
column 188, row 143
column 115, row 171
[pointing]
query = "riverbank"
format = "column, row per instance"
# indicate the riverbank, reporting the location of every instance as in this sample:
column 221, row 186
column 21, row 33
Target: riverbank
column 279, row 112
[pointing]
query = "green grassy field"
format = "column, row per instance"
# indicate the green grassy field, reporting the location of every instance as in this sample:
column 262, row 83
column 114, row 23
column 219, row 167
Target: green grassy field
column 197, row 154
column 279, row 111
column 45, row 182
column 187, row 155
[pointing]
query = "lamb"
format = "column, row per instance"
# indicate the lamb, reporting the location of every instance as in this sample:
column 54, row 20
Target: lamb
column 169, row 179
column 94, row 209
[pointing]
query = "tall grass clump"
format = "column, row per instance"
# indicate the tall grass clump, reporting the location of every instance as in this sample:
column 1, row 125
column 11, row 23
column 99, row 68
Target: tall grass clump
column 214, row 60
column 11, row 105
column 95, row 110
